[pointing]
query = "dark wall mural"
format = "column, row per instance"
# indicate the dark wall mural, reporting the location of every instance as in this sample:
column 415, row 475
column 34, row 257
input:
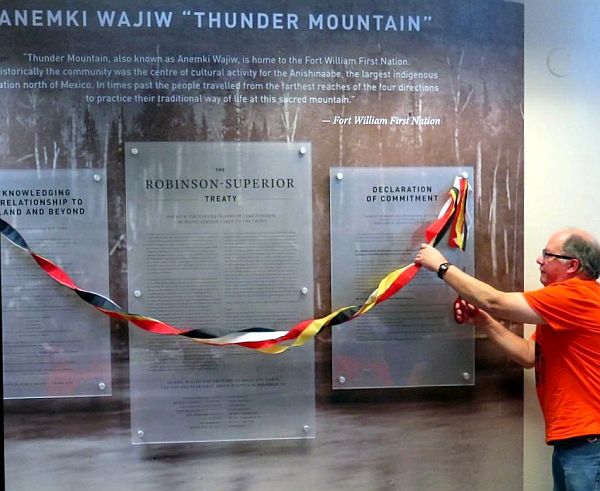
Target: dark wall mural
column 366, row 84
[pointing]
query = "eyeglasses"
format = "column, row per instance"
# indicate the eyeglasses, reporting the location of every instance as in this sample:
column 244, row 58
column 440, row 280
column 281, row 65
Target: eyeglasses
column 547, row 255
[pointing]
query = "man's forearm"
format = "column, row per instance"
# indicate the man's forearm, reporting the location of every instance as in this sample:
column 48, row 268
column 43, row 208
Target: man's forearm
column 504, row 305
column 509, row 306
column 515, row 347
column 473, row 290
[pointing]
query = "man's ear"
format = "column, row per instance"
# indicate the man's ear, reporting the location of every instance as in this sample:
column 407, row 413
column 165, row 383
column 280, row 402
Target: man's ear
column 574, row 266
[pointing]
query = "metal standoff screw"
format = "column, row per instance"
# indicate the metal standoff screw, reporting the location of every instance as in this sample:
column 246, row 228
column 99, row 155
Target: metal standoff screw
column 302, row 150
column 466, row 375
column 137, row 293
column 339, row 176
column 102, row 386
column 140, row 434
column 304, row 290
column 97, row 177
column 134, row 151
column 342, row 379
column 306, row 428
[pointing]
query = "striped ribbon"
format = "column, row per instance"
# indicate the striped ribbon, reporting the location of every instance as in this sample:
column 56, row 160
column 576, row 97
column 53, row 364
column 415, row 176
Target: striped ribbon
column 451, row 218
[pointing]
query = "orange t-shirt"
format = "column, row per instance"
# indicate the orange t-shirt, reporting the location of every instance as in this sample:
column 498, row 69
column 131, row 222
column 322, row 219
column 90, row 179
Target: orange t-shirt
column 567, row 360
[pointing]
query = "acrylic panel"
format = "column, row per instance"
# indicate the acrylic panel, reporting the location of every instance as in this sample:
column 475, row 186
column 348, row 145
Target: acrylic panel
column 219, row 238
column 54, row 344
column 378, row 218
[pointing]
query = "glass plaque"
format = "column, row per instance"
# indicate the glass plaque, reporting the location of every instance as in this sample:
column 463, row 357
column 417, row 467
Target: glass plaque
column 219, row 238
column 54, row 344
column 378, row 218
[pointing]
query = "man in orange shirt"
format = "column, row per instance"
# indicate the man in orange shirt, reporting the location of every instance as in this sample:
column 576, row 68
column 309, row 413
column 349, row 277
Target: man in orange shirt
column 565, row 348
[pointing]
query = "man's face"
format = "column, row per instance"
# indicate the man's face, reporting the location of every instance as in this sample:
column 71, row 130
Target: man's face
column 553, row 269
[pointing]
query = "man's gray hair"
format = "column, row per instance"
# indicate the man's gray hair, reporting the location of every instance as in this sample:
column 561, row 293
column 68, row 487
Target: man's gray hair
column 587, row 251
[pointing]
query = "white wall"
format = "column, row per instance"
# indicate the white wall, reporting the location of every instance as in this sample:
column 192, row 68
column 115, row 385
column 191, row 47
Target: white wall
column 562, row 157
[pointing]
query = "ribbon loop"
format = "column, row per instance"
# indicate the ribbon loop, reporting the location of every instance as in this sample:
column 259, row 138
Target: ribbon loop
column 451, row 218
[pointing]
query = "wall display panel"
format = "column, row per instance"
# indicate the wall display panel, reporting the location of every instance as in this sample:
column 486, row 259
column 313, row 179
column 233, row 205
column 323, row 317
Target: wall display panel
column 220, row 239
column 378, row 219
column 52, row 344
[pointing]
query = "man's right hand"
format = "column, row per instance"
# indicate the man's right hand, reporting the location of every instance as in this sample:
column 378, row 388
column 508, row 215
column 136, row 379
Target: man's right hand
column 467, row 312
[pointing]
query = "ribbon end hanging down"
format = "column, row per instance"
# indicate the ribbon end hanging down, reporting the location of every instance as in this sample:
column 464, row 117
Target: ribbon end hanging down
column 452, row 217
column 459, row 227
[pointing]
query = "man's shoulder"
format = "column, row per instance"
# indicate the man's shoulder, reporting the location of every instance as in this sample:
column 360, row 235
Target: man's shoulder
column 570, row 288
column 576, row 283
column 574, row 302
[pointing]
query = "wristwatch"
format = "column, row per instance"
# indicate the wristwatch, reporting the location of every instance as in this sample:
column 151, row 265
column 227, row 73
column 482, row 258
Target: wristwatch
column 442, row 270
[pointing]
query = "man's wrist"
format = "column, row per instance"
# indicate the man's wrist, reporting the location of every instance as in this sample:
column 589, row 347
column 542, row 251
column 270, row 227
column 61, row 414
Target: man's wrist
column 442, row 270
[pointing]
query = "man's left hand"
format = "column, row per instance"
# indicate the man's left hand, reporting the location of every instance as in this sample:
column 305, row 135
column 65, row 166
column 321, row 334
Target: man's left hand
column 429, row 257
